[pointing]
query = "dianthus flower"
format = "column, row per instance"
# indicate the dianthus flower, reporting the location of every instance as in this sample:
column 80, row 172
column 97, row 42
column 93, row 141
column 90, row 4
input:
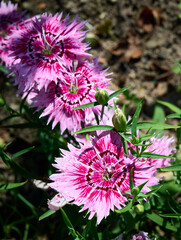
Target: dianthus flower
column 9, row 18
column 44, row 48
column 140, row 236
column 97, row 175
column 76, row 87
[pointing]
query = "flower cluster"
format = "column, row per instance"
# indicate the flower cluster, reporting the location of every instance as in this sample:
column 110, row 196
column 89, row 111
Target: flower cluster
column 51, row 64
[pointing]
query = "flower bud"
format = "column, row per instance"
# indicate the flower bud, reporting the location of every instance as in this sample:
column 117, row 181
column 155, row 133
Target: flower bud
column 119, row 120
column 102, row 96
column 135, row 191
column 135, row 140
column 139, row 209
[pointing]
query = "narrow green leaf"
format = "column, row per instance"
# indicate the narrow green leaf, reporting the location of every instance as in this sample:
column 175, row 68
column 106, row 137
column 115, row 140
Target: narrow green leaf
column 146, row 137
column 27, row 203
column 94, row 128
column 96, row 87
column 142, row 185
column 178, row 135
column 155, row 156
column 114, row 94
column 22, row 152
column 9, row 117
column 171, row 215
column 125, row 145
column 170, row 106
column 131, row 184
column 5, row 158
column 4, row 69
column 12, row 185
column 154, row 125
column 126, row 136
column 46, row 214
column 87, row 105
column 153, row 191
column 174, row 115
column 175, row 167
column 159, row 117
column 19, row 169
column 69, row 224
column 160, row 221
column 135, row 118
column 125, row 209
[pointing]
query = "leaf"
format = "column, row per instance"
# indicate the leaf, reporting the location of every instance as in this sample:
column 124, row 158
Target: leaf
column 146, row 137
column 135, row 118
column 171, row 215
column 22, row 152
column 178, row 135
column 12, row 185
column 155, row 156
column 69, row 224
column 94, row 128
column 175, row 167
column 125, row 209
column 159, row 117
column 46, row 214
column 87, row 105
column 3, row 69
column 154, row 125
column 131, row 184
column 114, row 94
column 174, row 115
column 170, row 106
column 160, row 221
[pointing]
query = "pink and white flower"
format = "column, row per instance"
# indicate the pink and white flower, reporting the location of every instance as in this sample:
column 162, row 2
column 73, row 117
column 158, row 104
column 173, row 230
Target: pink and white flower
column 44, row 48
column 76, row 87
column 9, row 19
column 97, row 175
column 140, row 236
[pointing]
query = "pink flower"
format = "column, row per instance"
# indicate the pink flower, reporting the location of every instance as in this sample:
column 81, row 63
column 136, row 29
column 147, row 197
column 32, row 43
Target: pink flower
column 44, row 48
column 140, row 236
column 74, row 88
column 9, row 18
column 162, row 146
column 97, row 174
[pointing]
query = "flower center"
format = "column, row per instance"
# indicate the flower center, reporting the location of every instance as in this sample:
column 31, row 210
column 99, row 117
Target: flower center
column 107, row 176
column 47, row 50
column 73, row 87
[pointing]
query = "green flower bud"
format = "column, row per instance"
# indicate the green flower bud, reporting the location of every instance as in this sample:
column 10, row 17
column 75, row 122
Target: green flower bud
column 139, row 209
column 135, row 140
column 102, row 96
column 135, row 191
column 2, row 102
column 119, row 120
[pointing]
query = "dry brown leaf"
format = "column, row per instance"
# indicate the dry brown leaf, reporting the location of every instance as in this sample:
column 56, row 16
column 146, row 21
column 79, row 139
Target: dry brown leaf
column 129, row 47
column 149, row 17
column 41, row 5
